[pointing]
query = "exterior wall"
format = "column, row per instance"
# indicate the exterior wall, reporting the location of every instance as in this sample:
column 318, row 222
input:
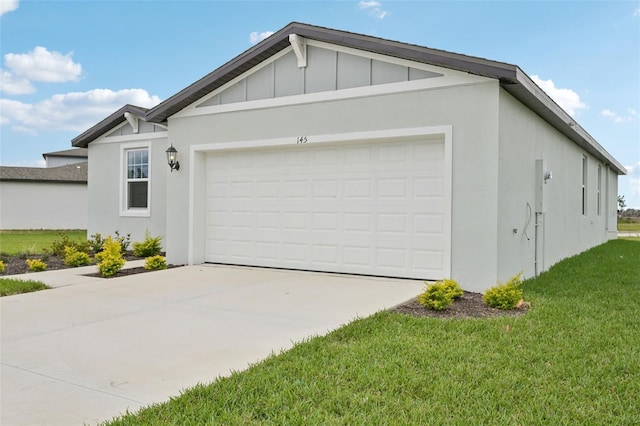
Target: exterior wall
column 106, row 185
column 564, row 230
column 471, row 109
column 63, row 161
column 43, row 205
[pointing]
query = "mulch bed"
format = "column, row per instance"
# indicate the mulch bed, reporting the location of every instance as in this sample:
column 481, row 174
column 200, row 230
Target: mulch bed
column 128, row 271
column 469, row 305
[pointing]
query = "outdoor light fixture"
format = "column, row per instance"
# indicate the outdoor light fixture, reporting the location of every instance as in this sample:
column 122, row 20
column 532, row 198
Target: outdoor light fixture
column 172, row 154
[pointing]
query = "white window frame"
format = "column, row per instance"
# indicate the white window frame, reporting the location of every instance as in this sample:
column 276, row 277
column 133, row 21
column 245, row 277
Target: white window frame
column 599, row 192
column 124, row 209
column 584, row 184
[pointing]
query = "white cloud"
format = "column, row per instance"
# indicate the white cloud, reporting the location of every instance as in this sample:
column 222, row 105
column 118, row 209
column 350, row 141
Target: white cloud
column 75, row 111
column 7, row 6
column 13, row 85
column 42, row 65
column 256, row 37
column 636, row 12
column 566, row 98
column 374, row 7
column 631, row 115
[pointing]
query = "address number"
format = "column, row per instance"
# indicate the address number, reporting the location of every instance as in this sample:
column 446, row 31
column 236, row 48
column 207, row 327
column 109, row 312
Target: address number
column 301, row 139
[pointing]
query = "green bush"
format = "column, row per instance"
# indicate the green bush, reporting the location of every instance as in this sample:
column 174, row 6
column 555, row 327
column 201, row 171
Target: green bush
column 155, row 263
column 74, row 258
column 440, row 295
column 36, row 265
column 505, row 296
column 110, row 259
column 151, row 246
column 58, row 245
column 96, row 241
column 1, row 267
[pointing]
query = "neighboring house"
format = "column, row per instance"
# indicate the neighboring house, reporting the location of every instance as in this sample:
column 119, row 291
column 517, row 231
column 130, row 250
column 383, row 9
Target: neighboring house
column 68, row 156
column 325, row 150
column 53, row 197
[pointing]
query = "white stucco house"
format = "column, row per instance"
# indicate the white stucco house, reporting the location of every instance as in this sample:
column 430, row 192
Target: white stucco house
column 51, row 197
column 324, row 150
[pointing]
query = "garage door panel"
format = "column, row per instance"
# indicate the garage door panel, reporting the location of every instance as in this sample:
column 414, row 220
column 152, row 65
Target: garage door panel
column 358, row 208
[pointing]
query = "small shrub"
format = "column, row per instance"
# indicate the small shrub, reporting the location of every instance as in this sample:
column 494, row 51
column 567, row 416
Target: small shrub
column 440, row 295
column 58, row 245
column 110, row 259
column 149, row 247
column 505, row 296
column 155, row 263
column 95, row 242
column 36, row 265
column 74, row 258
column 124, row 241
column 2, row 267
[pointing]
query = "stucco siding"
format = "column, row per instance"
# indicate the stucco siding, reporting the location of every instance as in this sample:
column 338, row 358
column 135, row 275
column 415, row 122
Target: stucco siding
column 43, row 205
column 105, row 189
column 471, row 110
column 563, row 229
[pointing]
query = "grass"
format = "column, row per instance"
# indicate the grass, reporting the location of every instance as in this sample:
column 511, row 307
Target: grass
column 9, row 286
column 629, row 227
column 573, row 359
column 14, row 243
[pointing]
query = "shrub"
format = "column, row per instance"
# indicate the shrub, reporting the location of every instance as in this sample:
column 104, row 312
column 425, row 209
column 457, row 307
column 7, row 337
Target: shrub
column 36, row 265
column 58, row 246
column 440, row 295
column 95, row 242
column 505, row 296
column 155, row 263
column 149, row 247
column 123, row 241
column 110, row 259
column 74, row 258
column 1, row 267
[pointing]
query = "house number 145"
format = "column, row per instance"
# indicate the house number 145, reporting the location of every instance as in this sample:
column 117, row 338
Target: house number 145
column 301, row 139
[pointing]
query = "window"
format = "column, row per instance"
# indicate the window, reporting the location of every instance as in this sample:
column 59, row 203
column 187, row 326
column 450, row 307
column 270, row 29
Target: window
column 135, row 197
column 584, row 185
column 599, row 189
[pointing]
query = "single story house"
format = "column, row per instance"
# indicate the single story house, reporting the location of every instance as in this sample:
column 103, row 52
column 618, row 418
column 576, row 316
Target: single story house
column 52, row 197
column 324, row 150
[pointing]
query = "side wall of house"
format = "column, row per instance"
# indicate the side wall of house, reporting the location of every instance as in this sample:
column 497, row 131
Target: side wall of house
column 43, row 205
column 106, row 186
column 562, row 229
column 471, row 110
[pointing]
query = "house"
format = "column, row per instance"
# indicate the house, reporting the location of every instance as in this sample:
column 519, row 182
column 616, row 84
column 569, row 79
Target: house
column 324, row 150
column 52, row 197
column 68, row 156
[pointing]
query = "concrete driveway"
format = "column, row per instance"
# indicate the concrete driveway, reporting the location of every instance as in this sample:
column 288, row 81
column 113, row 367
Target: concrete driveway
column 88, row 351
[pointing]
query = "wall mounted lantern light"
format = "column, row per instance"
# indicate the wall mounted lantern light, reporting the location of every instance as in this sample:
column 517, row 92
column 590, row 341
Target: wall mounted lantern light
column 172, row 155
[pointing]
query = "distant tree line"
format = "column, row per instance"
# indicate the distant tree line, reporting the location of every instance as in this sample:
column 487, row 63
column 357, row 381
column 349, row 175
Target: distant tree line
column 623, row 211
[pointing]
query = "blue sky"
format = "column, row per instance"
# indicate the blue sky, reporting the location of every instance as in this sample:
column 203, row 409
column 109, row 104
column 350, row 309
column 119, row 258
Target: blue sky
column 68, row 64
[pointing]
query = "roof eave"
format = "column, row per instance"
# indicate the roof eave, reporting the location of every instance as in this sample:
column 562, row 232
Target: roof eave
column 113, row 120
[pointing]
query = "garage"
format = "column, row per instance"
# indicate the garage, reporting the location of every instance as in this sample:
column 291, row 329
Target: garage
column 367, row 207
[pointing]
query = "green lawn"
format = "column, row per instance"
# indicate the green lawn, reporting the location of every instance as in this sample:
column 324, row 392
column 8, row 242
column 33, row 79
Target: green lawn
column 573, row 359
column 9, row 286
column 629, row 227
column 33, row 242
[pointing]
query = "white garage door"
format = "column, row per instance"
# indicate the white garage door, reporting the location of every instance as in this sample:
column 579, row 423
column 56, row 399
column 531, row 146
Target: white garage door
column 367, row 208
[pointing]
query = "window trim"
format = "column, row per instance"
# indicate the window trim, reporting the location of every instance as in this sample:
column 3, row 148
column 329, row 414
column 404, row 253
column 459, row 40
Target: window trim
column 599, row 191
column 584, row 184
column 124, row 210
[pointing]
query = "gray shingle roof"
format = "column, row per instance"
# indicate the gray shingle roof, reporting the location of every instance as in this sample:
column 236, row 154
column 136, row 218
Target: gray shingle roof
column 74, row 152
column 71, row 173
column 511, row 78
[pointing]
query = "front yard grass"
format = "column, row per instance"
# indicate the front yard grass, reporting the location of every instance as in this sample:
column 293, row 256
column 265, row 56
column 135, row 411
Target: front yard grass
column 9, row 286
column 572, row 359
column 13, row 243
